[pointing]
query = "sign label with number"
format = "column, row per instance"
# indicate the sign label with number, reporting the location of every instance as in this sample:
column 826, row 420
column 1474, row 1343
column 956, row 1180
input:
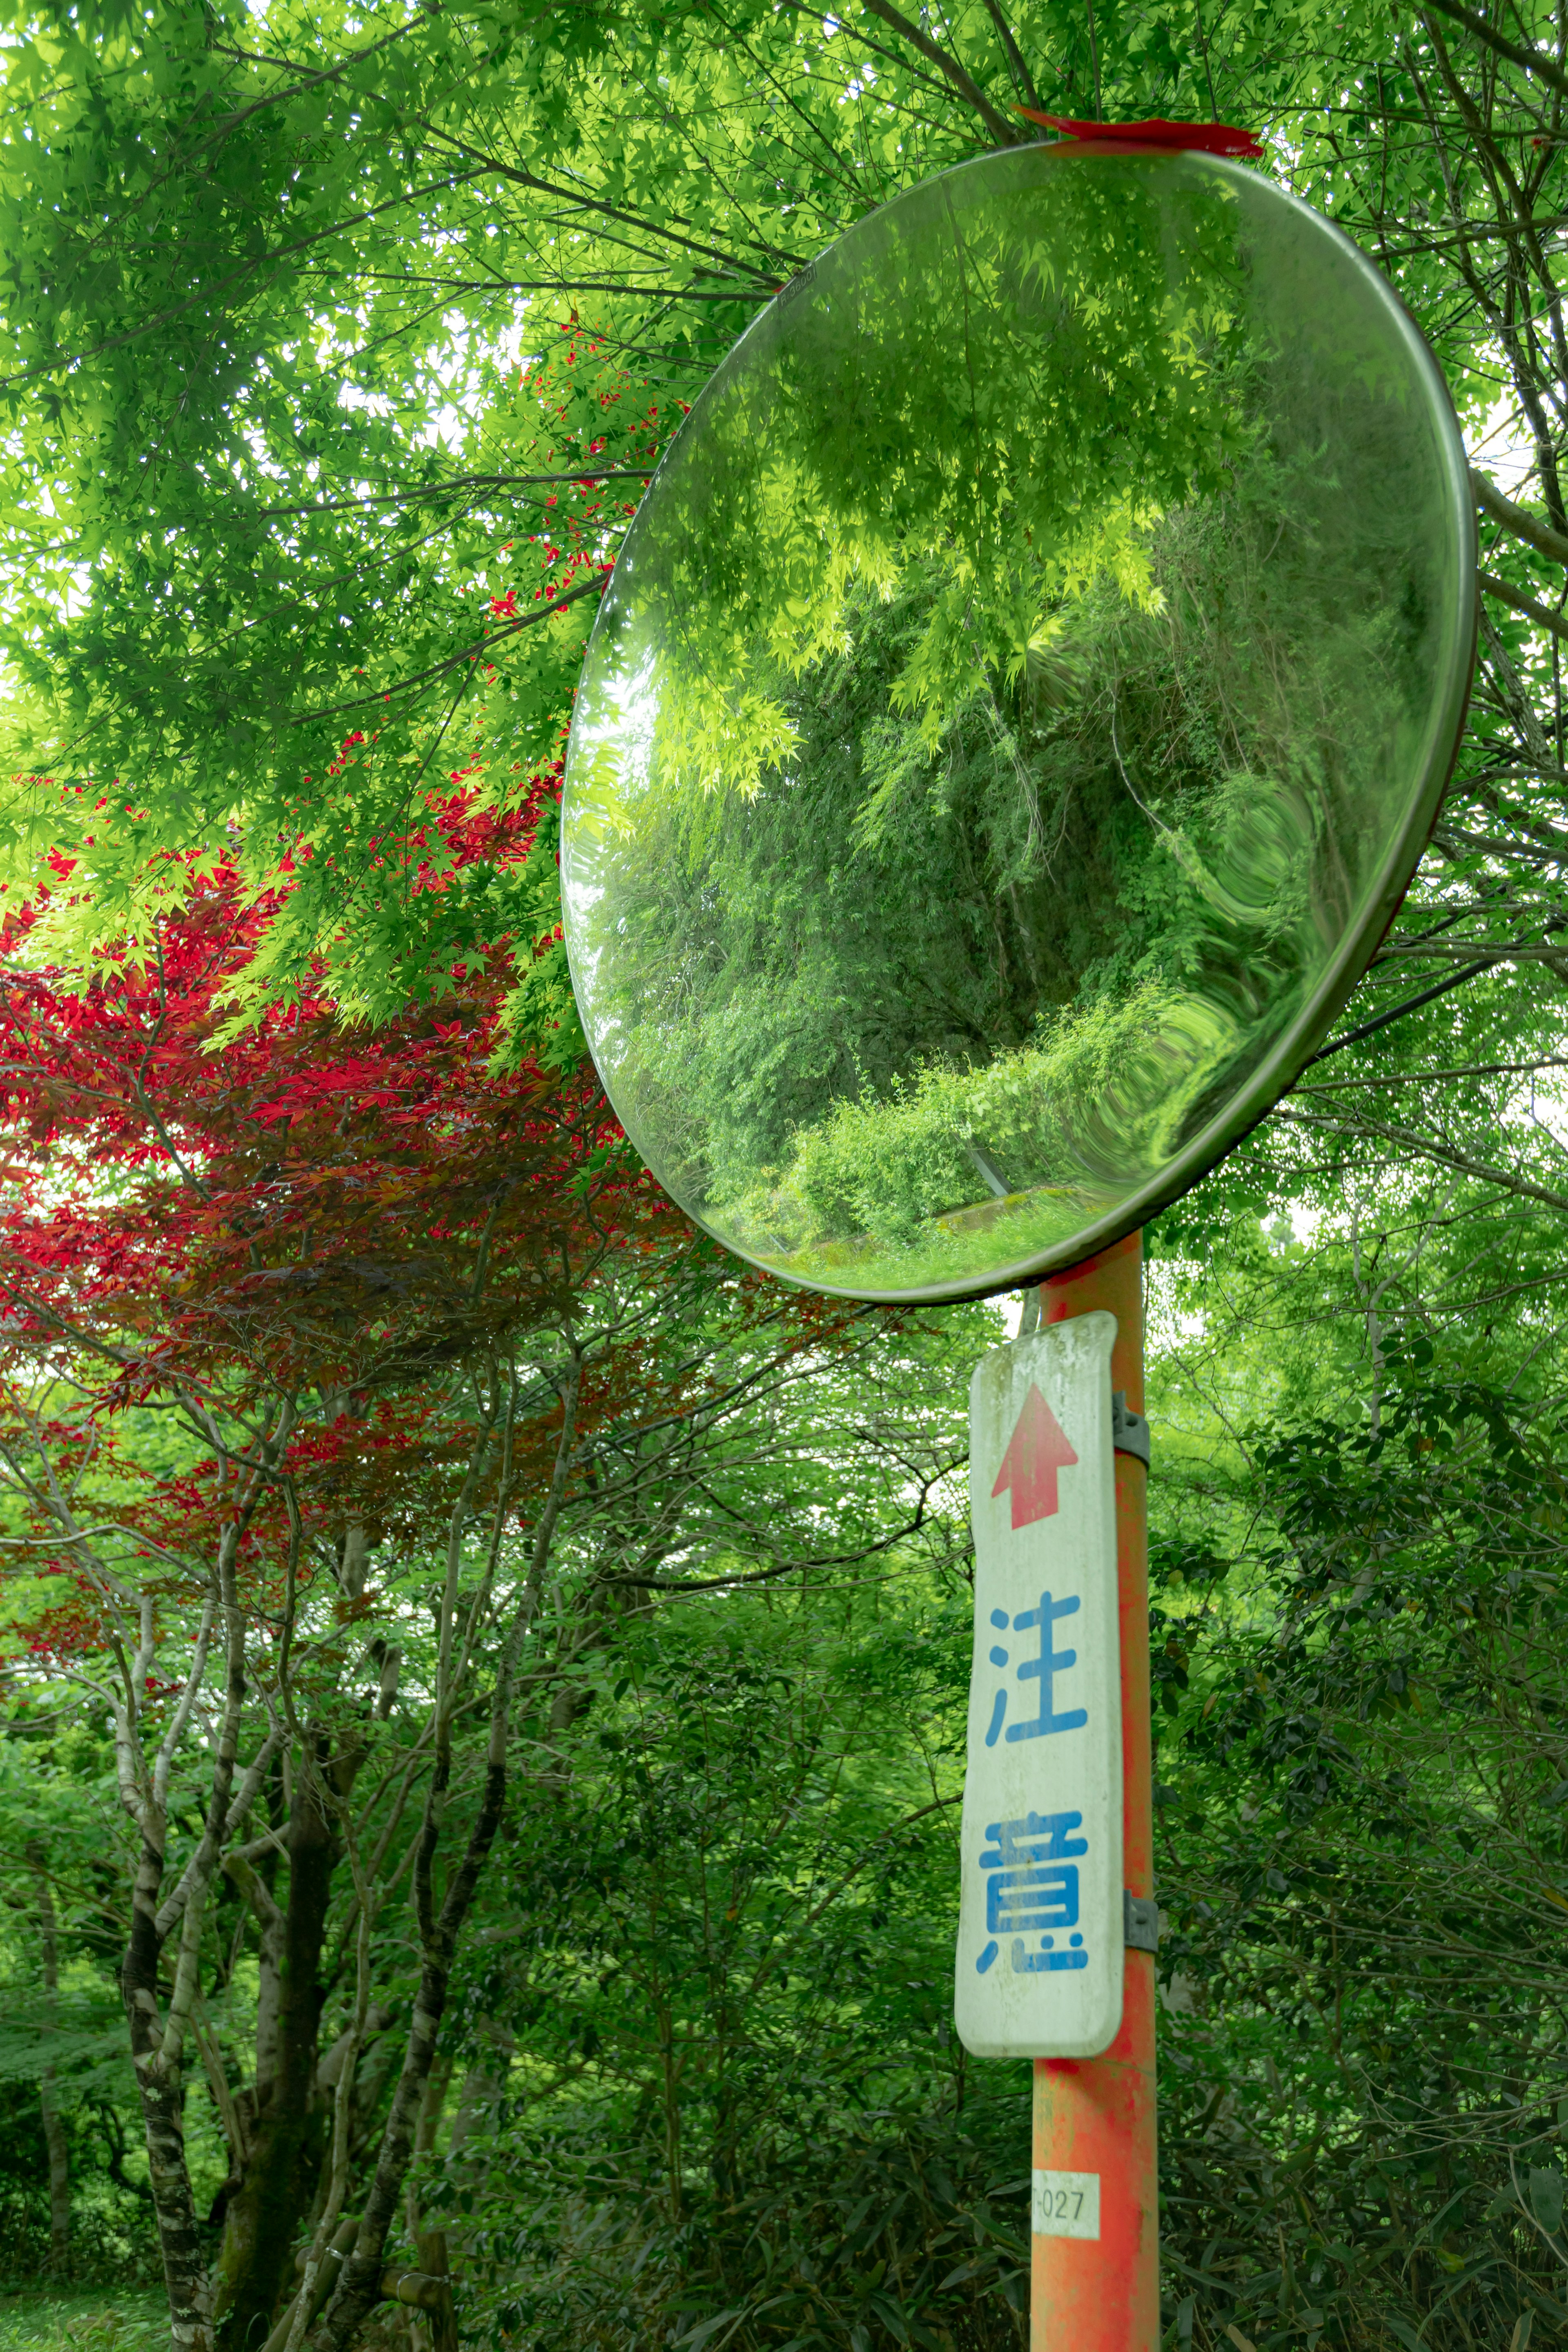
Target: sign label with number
column 1065, row 2204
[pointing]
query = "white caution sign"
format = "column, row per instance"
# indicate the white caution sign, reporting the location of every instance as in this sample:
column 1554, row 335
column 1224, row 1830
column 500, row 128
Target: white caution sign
column 1038, row 1971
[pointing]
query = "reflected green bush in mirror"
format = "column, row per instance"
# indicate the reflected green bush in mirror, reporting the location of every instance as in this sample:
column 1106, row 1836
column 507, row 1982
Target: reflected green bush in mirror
column 1015, row 709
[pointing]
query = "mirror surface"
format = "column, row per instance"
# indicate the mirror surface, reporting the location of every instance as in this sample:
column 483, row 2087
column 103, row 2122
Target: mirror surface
column 1017, row 706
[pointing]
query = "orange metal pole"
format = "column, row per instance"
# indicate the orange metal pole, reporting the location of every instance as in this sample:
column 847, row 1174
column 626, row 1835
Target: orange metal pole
column 1097, row 2114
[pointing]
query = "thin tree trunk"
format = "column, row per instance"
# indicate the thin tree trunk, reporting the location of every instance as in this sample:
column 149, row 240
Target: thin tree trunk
column 55, row 2139
column 163, row 2118
column 262, row 2216
column 58, row 2146
column 360, row 2286
column 430, row 2246
column 157, row 2037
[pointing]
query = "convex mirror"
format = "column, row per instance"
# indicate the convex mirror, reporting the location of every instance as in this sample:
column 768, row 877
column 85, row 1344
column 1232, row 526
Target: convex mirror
column 1016, row 709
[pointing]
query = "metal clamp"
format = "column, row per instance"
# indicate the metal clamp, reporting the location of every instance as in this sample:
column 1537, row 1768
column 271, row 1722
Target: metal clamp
column 1140, row 1922
column 1129, row 1430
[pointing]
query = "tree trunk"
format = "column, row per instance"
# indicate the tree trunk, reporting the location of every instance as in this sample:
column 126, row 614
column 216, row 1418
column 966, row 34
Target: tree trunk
column 441, row 2311
column 55, row 2139
column 60, row 2177
column 263, row 2215
column 430, row 2246
column 162, row 2113
column 157, row 2039
column 360, row 2286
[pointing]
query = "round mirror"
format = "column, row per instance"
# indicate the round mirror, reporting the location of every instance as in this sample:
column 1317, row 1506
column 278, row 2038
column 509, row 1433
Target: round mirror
column 1018, row 704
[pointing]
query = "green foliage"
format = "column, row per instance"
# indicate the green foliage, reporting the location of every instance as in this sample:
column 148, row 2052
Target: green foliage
column 894, row 2226
column 81, row 2321
column 1358, row 1649
column 725, row 1971
column 1361, row 1700
column 111, row 2235
column 284, row 371
column 893, row 1168
column 268, row 461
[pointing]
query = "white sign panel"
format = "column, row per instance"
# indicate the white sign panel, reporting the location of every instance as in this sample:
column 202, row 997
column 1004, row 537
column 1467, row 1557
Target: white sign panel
column 1038, row 1971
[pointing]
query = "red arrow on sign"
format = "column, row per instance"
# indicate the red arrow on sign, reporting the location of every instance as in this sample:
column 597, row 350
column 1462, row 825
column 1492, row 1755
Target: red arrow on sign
column 1037, row 1450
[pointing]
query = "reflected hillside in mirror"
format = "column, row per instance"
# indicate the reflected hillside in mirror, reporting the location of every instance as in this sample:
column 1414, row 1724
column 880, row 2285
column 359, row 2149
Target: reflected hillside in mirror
column 1004, row 710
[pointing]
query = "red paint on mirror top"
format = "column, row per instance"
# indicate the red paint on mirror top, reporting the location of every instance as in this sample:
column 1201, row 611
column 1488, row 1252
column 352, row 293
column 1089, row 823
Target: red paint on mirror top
column 1209, row 138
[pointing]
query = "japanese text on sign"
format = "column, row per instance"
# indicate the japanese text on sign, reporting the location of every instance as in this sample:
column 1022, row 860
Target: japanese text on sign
column 1048, row 1663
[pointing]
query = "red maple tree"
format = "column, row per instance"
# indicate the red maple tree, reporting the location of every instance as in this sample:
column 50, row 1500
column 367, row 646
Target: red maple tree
column 266, row 1311
column 309, row 1335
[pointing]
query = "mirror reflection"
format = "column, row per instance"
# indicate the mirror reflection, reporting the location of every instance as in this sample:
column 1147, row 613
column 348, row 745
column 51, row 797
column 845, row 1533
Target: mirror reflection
column 1018, row 704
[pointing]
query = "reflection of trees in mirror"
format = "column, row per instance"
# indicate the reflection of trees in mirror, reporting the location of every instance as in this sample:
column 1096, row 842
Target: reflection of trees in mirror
column 951, row 831
column 894, row 419
column 1018, row 946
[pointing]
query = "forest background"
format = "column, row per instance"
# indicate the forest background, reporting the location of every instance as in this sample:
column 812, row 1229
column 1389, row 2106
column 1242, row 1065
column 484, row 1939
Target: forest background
column 484, row 1675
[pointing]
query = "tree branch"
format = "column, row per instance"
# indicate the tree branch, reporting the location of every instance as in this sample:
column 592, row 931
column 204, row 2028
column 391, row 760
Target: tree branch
column 1516, row 521
column 1005, row 132
column 1430, row 1148
column 1543, row 618
column 1535, row 61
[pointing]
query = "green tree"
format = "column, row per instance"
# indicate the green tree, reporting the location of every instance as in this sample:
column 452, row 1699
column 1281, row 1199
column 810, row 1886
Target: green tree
column 269, row 284
column 714, row 2027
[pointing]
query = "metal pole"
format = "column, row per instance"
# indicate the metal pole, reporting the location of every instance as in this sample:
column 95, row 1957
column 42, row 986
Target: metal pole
column 1097, row 2114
